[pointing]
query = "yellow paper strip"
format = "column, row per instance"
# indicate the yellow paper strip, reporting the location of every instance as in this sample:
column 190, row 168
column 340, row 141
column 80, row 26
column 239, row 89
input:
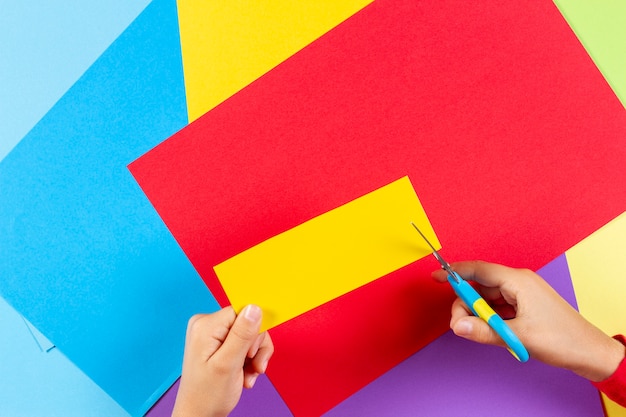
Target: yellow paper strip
column 596, row 267
column 329, row 255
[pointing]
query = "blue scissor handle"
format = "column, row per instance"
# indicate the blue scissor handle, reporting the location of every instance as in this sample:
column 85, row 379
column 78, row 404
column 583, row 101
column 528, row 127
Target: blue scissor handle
column 480, row 308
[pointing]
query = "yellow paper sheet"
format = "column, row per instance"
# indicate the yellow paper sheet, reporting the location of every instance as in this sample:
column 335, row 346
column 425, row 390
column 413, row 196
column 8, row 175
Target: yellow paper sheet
column 329, row 255
column 227, row 44
column 597, row 270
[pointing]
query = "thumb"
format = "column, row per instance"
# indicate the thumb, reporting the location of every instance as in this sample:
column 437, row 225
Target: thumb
column 476, row 330
column 243, row 333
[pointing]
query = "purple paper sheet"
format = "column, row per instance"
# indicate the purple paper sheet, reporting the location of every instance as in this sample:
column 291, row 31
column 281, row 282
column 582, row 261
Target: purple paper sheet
column 262, row 400
column 165, row 405
column 455, row 377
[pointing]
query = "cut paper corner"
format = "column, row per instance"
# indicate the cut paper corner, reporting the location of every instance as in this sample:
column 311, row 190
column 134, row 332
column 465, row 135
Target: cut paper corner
column 35, row 383
column 260, row 36
column 329, row 255
column 601, row 29
column 42, row 341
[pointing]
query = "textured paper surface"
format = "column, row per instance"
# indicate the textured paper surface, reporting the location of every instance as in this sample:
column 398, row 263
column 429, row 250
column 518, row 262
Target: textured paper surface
column 596, row 266
column 83, row 255
column 227, row 45
column 449, row 378
column 422, row 383
column 261, row 401
column 329, row 255
column 39, row 383
column 45, row 48
column 601, row 27
column 508, row 148
column 584, row 80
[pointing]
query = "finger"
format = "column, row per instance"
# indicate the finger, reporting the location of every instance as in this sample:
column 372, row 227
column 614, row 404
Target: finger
column 439, row 275
column 259, row 362
column 505, row 310
column 491, row 294
column 460, row 313
column 459, row 310
column 242, row 334
column 489, row 276
column 207, row 332
column 256, row 345
column 486, row 274
column 476, row 330
column 249, row 379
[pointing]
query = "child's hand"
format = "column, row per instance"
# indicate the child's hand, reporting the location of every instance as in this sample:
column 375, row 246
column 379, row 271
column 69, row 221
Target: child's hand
column 224, row 352
column 552, row 331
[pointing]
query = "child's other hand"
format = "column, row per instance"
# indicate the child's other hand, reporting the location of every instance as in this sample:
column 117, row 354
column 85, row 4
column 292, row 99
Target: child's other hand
column 224, row 352
column 552, row 330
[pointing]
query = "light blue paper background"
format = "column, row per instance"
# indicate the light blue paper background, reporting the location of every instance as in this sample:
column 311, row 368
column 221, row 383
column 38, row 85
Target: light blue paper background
column 36, row 383
column 45, row 46
column 42, row 341
column 83, row 254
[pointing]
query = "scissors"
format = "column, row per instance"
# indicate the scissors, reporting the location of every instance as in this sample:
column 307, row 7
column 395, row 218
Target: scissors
column 479, row 306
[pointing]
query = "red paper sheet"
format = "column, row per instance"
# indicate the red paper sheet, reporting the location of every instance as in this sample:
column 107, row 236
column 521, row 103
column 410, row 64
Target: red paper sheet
column 513, row 140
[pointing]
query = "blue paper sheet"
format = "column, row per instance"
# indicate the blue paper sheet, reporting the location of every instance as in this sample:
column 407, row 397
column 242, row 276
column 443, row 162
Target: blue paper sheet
column 83, row 254
column 45, row 47
column 42, row 341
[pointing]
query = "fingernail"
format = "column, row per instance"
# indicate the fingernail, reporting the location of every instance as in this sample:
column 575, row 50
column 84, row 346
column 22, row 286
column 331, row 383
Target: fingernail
column 252, row 380
column 252, row 313
column 463, row 328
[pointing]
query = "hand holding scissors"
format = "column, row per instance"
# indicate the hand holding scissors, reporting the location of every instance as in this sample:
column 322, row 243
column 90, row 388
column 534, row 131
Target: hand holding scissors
column 479, row 306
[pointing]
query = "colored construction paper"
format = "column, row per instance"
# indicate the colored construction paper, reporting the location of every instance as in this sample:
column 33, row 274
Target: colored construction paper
column 612, row 409
column 601, row 27
column 42, row 341
column 227, row 45
column 450, row 377
column 45, row 48
column 507, row 146
column 83, row 255
column 456, row 377
column 596, row 265
column 39, row 383
column 165, row 405
column 260, row 401
column 329, row 255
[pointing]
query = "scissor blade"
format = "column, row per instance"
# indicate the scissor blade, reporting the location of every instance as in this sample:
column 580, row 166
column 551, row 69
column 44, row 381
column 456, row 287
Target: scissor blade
column 424, row 237
column 445, row 265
